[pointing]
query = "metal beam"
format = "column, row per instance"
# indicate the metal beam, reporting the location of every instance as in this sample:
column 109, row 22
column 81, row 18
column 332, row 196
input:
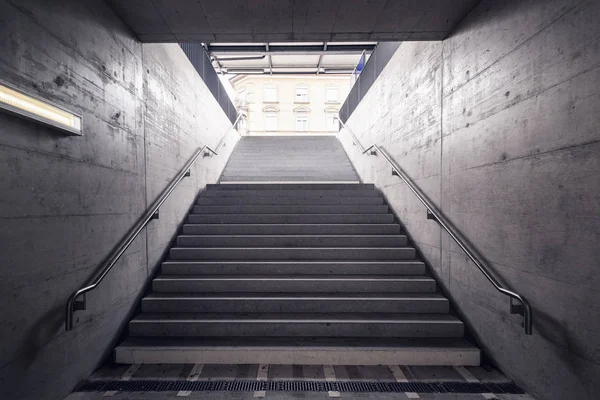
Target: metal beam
column 212, row 58
column 321, row 58
column 298, row 50
column 248, row 71
column 270, row 59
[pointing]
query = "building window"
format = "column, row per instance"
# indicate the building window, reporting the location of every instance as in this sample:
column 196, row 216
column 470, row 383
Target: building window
column 270, row 122
column 331, row 95
column 301, row 122
column 332, row 122
column 270, row 94
column 241, row 95
column 301, row 94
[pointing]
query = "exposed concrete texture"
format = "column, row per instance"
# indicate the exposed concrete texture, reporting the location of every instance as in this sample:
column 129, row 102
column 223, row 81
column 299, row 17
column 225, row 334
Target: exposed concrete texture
column 67, row 201
column 498, row 126
column 299, row 20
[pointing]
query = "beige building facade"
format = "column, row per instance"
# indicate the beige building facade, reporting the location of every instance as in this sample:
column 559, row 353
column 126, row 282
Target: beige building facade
column 290, row 104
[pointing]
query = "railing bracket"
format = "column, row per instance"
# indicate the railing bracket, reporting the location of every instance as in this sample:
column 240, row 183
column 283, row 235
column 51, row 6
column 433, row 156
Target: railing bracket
column 156, row 215
column 432, row 217
column 516, row 308
column 188, row 173
column 373, row 152
column 206, row 154
column 79, row 305
column 395, row 173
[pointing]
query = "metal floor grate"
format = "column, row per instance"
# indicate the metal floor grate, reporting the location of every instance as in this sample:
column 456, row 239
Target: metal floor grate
column 299, row 386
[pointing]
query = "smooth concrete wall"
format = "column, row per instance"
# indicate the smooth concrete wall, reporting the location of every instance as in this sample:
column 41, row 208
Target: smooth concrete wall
column 499, row 126
column 67, row 201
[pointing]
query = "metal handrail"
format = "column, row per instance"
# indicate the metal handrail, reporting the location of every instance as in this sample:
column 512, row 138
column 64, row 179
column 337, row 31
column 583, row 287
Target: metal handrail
column 524, row 308
column 73, row 304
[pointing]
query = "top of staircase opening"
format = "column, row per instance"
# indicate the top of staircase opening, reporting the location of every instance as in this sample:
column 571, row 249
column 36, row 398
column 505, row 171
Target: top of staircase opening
column 289, row 159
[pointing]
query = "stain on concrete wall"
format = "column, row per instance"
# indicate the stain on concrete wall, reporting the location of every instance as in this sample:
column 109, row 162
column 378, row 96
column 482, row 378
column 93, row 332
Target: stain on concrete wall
column 498, row 126
column 66, row 201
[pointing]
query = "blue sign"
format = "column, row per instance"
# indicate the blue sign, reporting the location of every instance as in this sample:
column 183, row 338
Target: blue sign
column 361, row 65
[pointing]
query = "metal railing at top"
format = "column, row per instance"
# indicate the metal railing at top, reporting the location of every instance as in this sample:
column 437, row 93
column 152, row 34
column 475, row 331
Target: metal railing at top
column 76, row 304
column 523, row 308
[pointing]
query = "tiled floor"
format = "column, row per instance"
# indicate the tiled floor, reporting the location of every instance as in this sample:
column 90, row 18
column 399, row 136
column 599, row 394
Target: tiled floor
column 214, row 372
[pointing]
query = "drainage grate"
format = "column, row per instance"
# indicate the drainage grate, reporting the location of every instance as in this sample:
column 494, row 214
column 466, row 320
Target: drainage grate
column 299, row 386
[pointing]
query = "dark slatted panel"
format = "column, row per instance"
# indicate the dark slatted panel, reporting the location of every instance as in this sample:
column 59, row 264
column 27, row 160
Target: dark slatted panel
column 199, row 59
column 379, row 59
column 299, row 386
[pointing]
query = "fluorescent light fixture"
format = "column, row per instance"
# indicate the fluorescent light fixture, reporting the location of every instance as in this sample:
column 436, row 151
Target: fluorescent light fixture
column 25, row 105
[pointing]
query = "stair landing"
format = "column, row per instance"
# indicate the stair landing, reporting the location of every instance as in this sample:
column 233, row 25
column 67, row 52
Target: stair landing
column 289, row 159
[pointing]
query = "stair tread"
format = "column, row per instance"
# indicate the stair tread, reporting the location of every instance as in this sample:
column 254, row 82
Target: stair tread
column 293, row 235
column 296, row 277
column 278, row 214
column 275, row 224
column 291, row 295
column 188, row 262
column 295, row 342
column 298, row 317
column 282, row 197
column 291, row 186
column 296, row 248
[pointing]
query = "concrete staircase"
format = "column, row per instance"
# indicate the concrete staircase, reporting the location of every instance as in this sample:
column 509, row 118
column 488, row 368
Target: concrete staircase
column 294, row 274
column 289, row 159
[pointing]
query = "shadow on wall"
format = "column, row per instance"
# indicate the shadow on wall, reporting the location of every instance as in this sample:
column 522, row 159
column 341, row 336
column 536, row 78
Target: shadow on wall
column 503, row 12
column 41, row 333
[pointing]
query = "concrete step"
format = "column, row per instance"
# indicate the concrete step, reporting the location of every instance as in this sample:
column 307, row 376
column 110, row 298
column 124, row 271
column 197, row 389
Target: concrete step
column 296, row 325
column 291, row 209
column 290, row 193
column 432, row 303
column 289, row 187
column 293, row 267
column 291, row 241
column 288, row 200
column 297, row 253
column 291, row 218
column 293, row 175
column 291, row 229
column 285, row 178
column 246, row 167
column 293, row 284
column 298, row 351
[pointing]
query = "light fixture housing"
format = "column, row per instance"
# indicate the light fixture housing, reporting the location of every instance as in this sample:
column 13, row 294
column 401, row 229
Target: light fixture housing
column 22, row 104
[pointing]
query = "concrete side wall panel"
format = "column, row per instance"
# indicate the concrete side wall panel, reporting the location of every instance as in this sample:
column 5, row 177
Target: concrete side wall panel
column 67, row 201
column 510, row 155
column 492, row 31
column 182, row 117
column 574, row 100
column 571, row 40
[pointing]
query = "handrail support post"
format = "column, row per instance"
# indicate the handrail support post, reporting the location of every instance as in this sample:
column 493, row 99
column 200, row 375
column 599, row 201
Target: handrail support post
column 431, row 216
column 516, row 308
column 80, row 304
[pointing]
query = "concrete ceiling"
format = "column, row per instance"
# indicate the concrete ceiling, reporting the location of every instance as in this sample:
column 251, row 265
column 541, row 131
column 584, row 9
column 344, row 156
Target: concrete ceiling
column 210, row 21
